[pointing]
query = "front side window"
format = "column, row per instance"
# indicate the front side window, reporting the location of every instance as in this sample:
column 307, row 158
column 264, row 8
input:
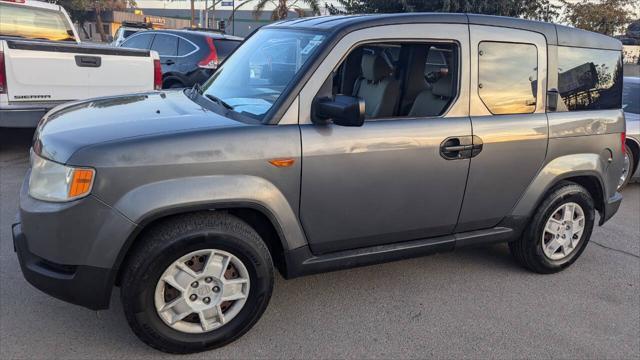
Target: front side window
column 398, row 79
column 589, row 79
column 34, row 23
column 259, row 71
column 507, row 77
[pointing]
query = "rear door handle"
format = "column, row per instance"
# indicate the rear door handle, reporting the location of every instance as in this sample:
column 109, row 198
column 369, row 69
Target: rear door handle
column 88, row 61
column 460, row 147
column 169, row 62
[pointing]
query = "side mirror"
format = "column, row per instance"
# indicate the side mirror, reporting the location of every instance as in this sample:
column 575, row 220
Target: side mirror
column 342, row 110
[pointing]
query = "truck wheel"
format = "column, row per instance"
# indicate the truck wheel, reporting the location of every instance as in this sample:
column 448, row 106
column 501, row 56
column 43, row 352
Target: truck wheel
column 558, row 232
column 196, row 282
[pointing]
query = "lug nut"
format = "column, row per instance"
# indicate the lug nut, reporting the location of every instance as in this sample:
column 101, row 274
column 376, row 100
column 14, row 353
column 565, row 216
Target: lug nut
column 208, row 279
column 194, row 284
column 193, row 297
column 206, row 300
column 216, row 289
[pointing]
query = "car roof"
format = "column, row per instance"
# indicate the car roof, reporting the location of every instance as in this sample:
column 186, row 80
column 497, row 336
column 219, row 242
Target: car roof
column 188, row 33
column 555, row 34
column 632, row 79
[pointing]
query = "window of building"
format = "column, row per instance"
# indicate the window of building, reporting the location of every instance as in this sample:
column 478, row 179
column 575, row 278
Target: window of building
column 396, row 79
column 165, row 45
column 507, row 77
column 589, row 79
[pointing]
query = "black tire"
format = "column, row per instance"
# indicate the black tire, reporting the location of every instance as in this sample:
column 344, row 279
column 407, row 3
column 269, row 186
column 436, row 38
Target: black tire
column 629, row 153
column 175, row 237
column 527, row 250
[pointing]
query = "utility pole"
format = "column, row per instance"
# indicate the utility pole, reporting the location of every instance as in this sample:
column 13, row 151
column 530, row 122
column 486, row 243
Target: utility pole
column 193, row 14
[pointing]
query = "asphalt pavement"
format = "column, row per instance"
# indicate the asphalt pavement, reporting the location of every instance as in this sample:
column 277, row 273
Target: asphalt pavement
column 472, row 303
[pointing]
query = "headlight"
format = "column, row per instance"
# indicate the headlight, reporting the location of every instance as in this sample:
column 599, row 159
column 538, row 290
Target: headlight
column 50, row 181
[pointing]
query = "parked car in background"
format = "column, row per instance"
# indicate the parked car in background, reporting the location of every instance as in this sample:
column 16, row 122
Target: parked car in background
column 631, row 106
column 43, row 64
column 357, row 148
column 126, row 30
column 187, row 57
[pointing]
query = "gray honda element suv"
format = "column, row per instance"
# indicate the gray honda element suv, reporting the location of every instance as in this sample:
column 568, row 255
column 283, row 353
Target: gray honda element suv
column 321, row 144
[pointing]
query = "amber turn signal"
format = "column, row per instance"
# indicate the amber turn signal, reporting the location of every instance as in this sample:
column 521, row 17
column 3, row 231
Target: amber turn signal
column 81, row 182
column 286, row 162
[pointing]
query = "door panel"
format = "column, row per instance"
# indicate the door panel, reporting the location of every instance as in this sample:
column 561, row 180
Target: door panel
column 386, row 181
column 381, row 183
column 514, row 145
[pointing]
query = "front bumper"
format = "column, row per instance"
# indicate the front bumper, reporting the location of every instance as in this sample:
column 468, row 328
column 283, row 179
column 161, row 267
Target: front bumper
column 83, row 285
column 70, row 250
column 21, row 118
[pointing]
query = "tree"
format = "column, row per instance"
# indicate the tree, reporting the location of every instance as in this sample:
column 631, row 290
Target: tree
column 604, row 16
column 282, row 7
column 87, row 10
column 531, row 9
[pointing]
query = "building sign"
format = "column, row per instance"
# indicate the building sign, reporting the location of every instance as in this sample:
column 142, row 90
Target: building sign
column 155, row 20
column 227, row 3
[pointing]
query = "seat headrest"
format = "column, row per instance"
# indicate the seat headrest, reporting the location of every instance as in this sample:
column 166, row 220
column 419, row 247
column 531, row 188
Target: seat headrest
column 442, row 87
column 375, row 67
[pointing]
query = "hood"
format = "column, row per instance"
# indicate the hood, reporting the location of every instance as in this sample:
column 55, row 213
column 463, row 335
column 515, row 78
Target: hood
column 70, row 127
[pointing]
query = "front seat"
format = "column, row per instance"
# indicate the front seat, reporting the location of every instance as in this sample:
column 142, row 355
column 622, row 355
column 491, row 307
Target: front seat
column 377, row 87
column 433, row 101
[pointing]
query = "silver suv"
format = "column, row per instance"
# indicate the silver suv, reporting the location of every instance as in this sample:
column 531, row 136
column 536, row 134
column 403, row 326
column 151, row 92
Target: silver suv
column 321, row 144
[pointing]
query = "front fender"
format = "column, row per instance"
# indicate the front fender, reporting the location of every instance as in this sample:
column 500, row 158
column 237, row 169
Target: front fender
column 151, row 201
column 558, row 169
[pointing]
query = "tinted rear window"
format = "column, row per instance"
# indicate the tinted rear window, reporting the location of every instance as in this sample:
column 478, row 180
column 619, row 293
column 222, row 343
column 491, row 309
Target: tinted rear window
column 34, row 23
column 185, row 47
column 225, row 47
column 165, row 45
column 589, row 79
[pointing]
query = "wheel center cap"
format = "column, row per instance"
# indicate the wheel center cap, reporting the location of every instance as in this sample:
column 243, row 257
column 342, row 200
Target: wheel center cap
column 203, row 291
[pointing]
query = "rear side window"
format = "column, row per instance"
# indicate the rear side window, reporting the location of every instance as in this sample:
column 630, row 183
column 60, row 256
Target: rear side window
column 141, row 41
column 165, row 45
column 507, row 77
column 185, row 47
column 225, row 47
column 589, row 79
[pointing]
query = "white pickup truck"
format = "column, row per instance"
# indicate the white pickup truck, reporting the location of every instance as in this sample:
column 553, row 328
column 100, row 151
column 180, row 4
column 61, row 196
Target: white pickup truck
column 43, row 64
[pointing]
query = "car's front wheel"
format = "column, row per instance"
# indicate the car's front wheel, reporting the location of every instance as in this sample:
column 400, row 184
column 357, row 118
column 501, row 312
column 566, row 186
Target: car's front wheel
column 197, row 282
column 558, row 232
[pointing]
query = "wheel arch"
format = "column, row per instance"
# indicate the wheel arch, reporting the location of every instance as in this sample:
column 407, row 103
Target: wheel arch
column 582, row 169
column 255, row 215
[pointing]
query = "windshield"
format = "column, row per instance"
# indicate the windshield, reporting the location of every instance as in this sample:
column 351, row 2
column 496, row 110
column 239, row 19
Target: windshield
column 34, row 23
column 631, row 97
column 257, row 73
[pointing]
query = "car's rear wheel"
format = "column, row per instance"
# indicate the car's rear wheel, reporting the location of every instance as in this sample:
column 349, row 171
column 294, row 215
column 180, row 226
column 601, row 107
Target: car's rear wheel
column 196, row 282
column 558, row 232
